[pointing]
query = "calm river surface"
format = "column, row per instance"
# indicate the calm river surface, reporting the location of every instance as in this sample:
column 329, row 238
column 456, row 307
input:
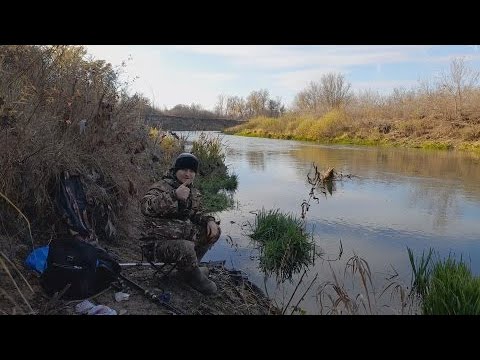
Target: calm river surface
column 398, row 198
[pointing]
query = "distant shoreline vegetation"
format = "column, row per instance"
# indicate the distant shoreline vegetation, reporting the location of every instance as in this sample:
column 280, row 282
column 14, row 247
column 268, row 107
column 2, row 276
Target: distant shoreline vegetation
column 443, row 113
column 337, row 127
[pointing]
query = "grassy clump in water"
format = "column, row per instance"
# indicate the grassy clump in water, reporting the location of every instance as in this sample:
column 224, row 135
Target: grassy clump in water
column 452, row 290
column 446, row 287
column 217, row 202
column 285, row 249
column 213, row 184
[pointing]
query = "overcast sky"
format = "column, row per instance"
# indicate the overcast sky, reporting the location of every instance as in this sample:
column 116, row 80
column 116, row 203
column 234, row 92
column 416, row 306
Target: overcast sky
column 182, row 74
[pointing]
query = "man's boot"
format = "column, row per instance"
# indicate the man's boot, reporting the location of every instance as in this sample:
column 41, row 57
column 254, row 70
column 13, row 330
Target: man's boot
column 185, row 275
column 197, row 279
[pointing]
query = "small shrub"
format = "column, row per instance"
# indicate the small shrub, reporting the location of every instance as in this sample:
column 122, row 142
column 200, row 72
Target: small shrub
column 209, row 151
column 214, row 182
column 285, row 249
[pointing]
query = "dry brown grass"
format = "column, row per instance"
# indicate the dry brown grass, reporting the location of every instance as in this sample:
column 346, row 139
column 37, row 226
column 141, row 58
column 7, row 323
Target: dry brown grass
column 12, row 289
column 61, row 111
column 354, row 292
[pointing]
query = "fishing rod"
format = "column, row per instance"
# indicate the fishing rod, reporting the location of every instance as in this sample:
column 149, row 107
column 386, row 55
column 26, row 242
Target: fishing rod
column 132, row 264
column 153, row 297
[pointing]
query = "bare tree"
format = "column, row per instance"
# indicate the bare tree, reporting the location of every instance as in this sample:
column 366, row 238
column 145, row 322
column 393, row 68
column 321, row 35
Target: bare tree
column 256, row 103
column 460, row 80
column 331, row 92
column 309, row 99
column 231, row 106
column 196, row 110
column 220, row 106
column 275, row 107
column 335, row 91
column 240, row 107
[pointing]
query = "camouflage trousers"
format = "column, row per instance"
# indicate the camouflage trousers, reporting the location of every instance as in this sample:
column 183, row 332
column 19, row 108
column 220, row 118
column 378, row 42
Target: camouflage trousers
column 187, row 254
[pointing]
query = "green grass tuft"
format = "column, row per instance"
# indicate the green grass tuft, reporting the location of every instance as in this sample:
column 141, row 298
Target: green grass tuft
column 285, row 249
column 453, row 290
column 446, row 287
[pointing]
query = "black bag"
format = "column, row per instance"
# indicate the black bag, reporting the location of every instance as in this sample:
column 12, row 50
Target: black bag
column 86, row 268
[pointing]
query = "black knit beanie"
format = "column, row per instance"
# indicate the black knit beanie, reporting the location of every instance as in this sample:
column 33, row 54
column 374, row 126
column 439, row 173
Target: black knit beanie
column 186, row 161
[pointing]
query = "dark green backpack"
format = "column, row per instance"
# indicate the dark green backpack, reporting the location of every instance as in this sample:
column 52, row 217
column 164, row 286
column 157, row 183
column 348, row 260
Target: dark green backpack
column 85, row 268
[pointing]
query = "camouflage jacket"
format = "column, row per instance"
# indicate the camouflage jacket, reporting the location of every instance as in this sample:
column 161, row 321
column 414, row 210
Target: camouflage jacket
column 166, row 217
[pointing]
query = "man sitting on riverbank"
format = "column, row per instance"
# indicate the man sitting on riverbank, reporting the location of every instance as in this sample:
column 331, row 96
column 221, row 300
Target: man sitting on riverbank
column 176, row 229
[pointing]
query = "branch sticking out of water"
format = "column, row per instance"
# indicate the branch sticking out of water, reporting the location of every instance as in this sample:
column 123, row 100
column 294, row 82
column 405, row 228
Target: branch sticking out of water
column 323, row 182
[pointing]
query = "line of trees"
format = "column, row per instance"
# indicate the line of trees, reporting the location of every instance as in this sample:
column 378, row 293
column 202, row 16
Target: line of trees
column 257, row 103
column 453, row 95
column 192, row 111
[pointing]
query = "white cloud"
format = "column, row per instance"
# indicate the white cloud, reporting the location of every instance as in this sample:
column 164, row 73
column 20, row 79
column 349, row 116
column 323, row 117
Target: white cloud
column 163, row 84
column 211, row 76
column 170, row 89
column 283, row 70
column 383, row 86
column 298, row 80
column 288, row 56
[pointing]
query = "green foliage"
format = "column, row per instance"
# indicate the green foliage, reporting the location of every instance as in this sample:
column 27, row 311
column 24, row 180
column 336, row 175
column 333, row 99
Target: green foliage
column 217, row 191
column 284, row 247
column 421, row 271
column 473, row 148
column 213, row 180
column 446, row 287
column 215, row 202
column 230, row 183
column 209, row 151
column 453, row 290
column 213, row 185
column 436, row 145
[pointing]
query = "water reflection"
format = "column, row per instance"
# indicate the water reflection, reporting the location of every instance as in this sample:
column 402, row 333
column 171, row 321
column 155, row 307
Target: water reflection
column 436, row 181
column 386, row 163
column 400, row 198
column 256, row 160
column 441, row 203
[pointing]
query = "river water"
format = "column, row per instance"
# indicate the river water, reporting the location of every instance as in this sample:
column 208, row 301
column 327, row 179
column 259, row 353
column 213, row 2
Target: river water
column 397, row 198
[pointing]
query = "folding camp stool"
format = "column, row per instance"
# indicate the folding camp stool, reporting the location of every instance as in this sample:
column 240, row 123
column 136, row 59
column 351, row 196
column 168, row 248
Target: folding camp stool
column 148, row 253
